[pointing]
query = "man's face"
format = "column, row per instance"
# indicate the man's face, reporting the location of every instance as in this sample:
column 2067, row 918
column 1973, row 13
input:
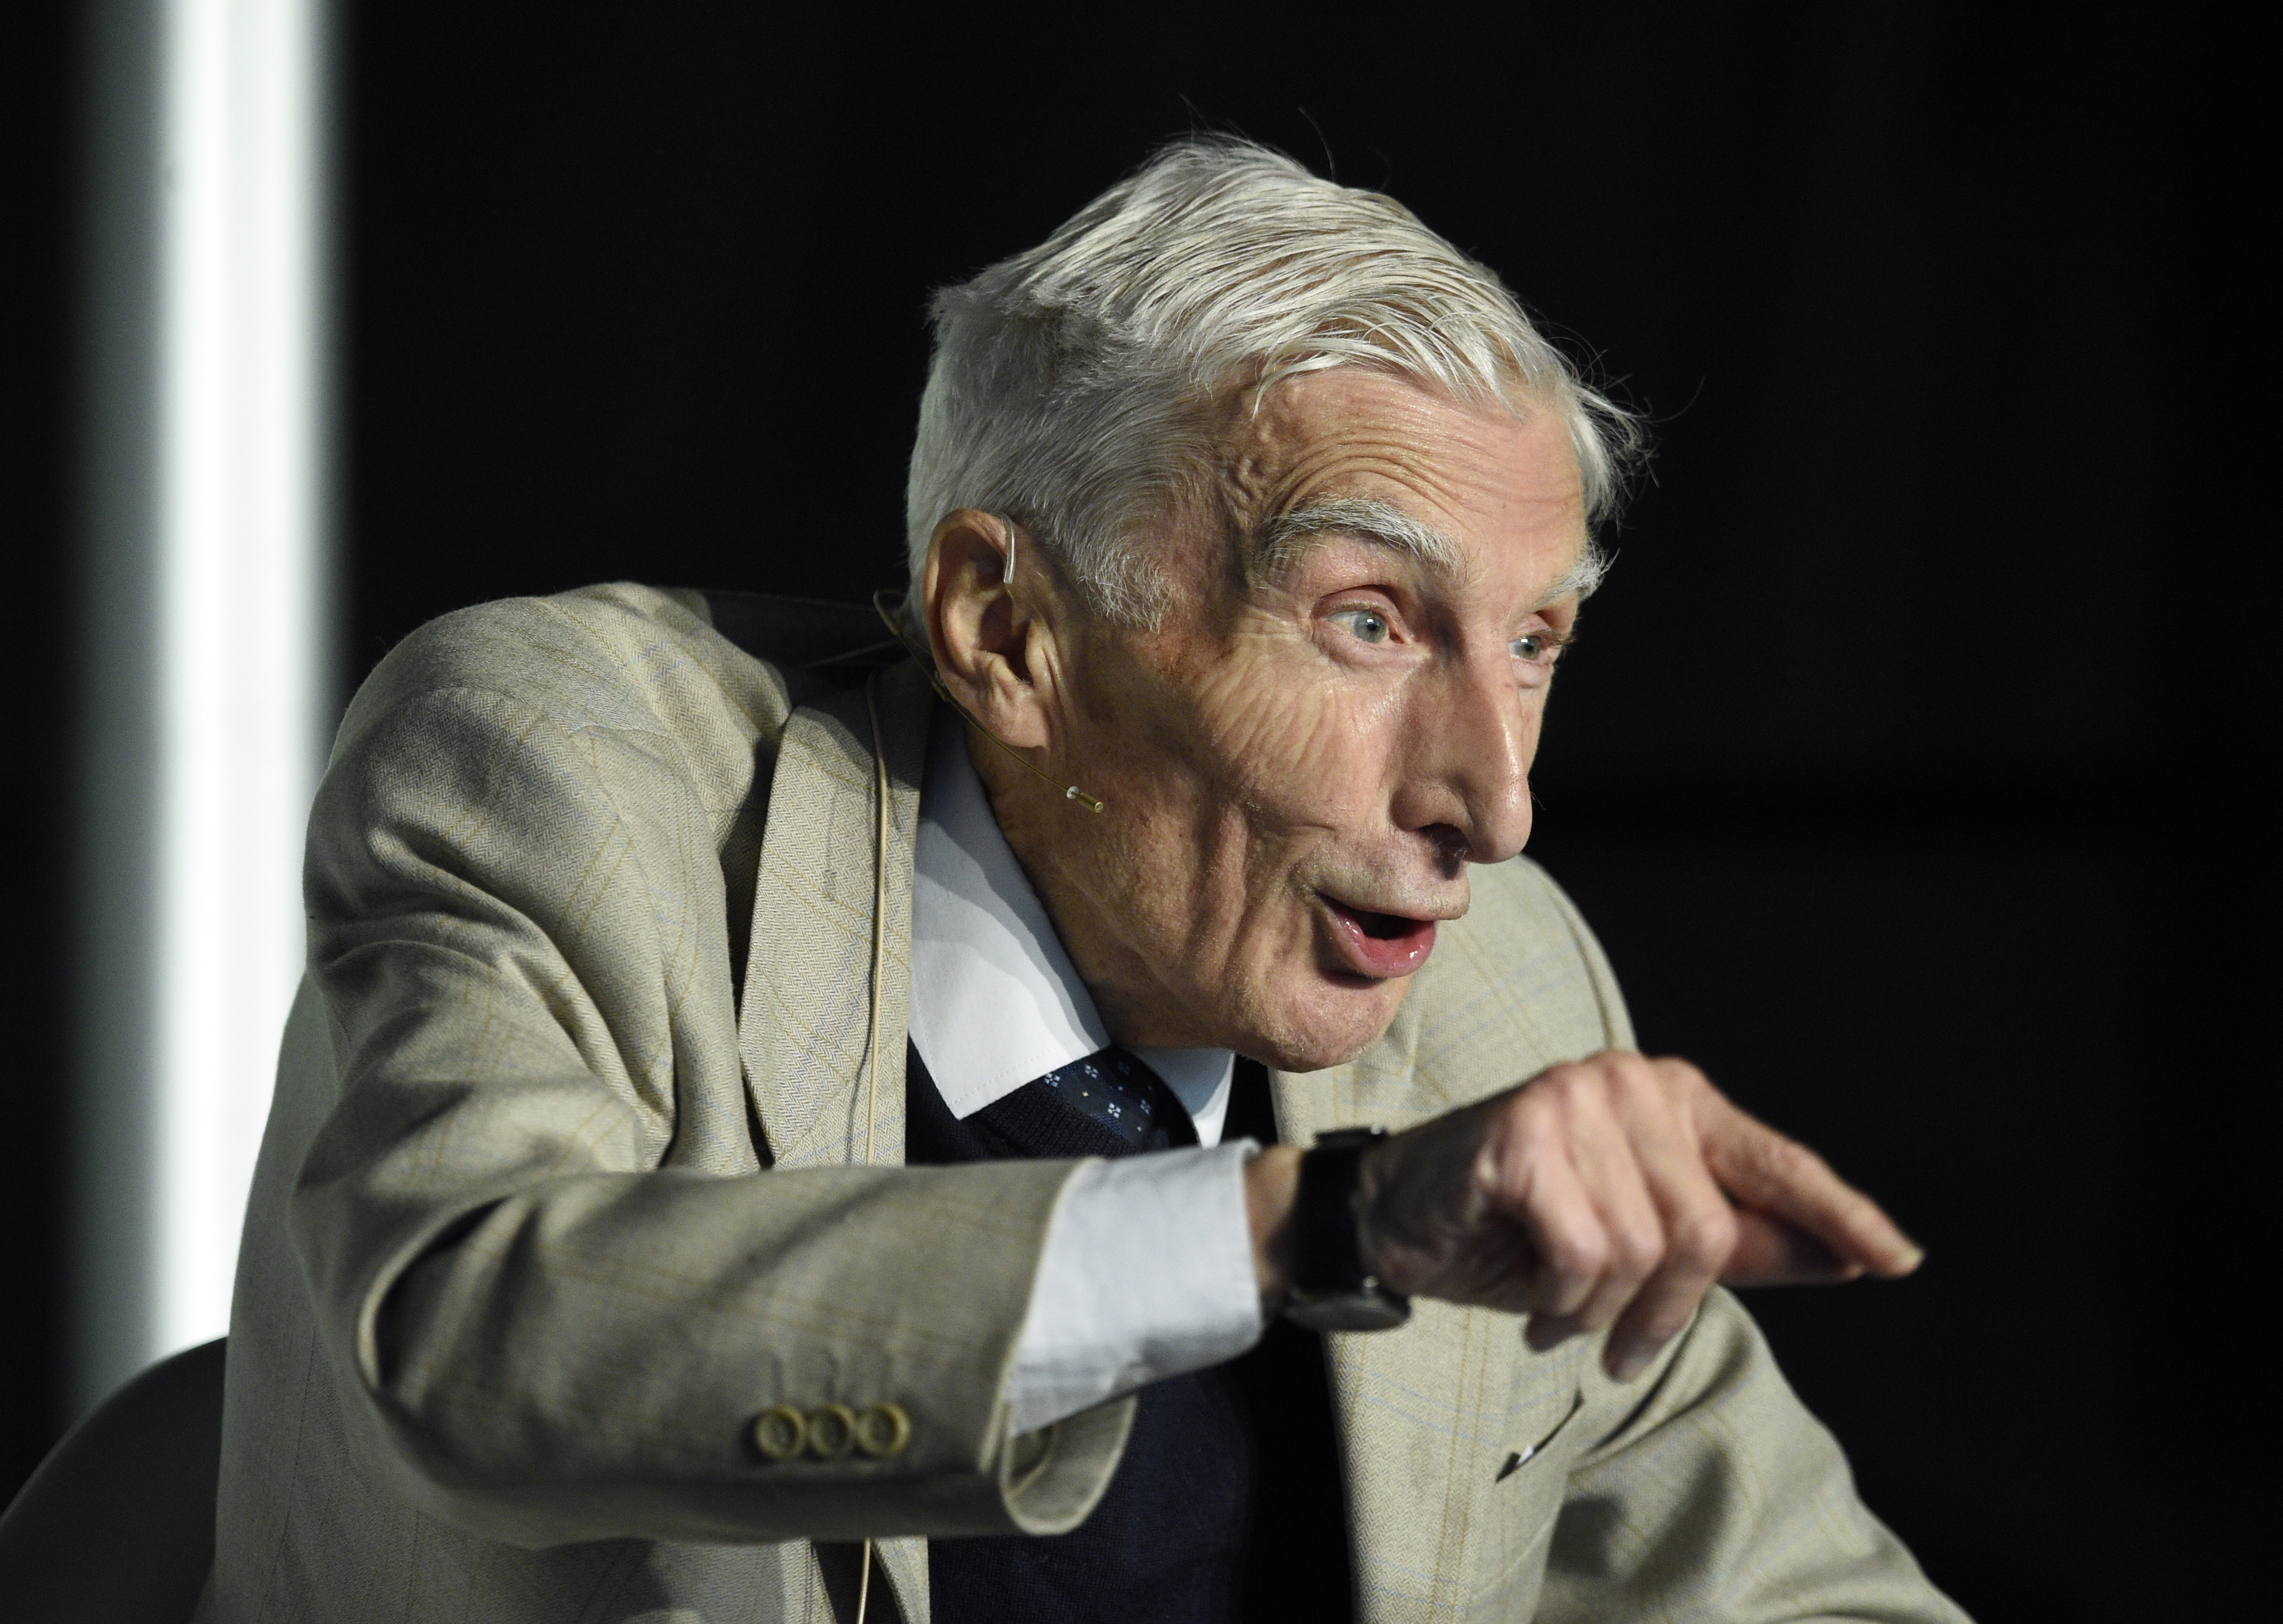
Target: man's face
column 1329, row 727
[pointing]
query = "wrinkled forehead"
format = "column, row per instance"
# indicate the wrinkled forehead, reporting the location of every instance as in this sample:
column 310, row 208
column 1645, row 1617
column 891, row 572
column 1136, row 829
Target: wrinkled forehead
column 1350, row 455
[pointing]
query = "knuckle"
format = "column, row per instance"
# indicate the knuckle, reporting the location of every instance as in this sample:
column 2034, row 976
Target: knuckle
column 1565, row 1084
column 1791, row 1162
column 1679, row 1079
column 1545, row 1098
column 1581, row 1255
column 1636, row 1250
column 1636, row 1083
column 1682, row 1084
column 1628, row 1069
column 1706, row 1237
column 1537, row 1132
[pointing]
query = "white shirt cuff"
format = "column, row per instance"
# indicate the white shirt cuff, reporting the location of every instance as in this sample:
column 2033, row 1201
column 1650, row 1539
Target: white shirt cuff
column 1147, row 1273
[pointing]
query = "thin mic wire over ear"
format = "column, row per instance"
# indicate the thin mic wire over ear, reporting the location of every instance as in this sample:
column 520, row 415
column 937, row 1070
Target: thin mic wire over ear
column 889, row 606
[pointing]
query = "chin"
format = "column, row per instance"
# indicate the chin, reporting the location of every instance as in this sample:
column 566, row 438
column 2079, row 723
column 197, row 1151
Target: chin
column 1326, row 1025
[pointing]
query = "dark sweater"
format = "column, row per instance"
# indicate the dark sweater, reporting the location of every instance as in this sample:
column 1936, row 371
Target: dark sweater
column 1226, row 1505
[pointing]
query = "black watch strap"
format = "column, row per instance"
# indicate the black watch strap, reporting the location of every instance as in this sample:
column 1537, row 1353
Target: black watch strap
column 1331, row 1289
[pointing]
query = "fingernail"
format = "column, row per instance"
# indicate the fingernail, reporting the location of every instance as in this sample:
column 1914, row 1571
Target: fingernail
column 1917, row 1254
column 1632, row 1363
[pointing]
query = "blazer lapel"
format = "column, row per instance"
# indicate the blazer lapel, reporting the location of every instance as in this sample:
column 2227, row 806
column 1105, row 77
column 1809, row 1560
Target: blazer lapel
column 1426, row 1415
column 804, row 1021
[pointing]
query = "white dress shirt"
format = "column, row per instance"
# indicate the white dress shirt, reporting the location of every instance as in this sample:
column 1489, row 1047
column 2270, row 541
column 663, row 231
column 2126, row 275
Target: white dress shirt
column 1148, row 1268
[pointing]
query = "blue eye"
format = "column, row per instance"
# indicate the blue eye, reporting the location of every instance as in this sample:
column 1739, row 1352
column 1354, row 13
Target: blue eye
column 1368, row 626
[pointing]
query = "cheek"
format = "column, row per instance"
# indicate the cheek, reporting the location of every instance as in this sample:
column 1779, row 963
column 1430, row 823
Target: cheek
column 1296, row 748
column 1229, row 797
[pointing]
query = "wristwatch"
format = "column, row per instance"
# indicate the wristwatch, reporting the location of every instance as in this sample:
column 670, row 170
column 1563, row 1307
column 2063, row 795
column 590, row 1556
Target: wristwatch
column 1331, row 1289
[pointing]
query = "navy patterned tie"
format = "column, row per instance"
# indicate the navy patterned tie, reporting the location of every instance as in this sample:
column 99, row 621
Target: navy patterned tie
column 1109, row 1104
column 1115, row 1091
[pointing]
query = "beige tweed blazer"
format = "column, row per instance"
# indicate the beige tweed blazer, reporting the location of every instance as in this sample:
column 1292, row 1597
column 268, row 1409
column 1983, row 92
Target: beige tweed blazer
column 579, row 1162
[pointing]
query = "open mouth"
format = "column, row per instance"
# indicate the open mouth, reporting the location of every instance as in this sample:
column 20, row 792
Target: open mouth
column 1376, row 945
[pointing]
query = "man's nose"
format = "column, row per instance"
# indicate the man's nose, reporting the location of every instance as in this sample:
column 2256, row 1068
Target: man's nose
column 1472, row 756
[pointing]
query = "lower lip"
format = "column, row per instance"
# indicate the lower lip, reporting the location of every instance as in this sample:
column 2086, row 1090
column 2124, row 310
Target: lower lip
column 1380, row 956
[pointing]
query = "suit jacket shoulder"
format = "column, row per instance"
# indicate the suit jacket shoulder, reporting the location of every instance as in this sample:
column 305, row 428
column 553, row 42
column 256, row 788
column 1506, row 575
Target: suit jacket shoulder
column 620, row 659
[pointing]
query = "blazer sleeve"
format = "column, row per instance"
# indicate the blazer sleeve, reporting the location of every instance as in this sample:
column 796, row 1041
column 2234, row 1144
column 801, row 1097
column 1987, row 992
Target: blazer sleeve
column 1719, row 1496
column 547, row 1323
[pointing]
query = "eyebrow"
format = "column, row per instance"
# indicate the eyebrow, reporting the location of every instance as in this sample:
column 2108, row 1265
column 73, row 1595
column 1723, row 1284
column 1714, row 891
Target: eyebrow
column 1583, row 577
column 1287, row 538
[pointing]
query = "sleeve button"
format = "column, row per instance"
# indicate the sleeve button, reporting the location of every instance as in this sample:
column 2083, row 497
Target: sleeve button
column 831, row 1431
column 884, row 1430
column 780, row 1432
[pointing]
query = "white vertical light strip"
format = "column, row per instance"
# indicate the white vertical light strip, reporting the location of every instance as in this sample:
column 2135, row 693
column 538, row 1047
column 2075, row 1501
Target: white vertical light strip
column 239, row 653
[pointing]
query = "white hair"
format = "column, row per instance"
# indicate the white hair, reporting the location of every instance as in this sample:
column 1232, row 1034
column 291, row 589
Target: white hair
column 1073, row 385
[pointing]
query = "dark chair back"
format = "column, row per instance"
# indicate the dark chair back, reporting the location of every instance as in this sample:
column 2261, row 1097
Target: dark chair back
column 118, row 1524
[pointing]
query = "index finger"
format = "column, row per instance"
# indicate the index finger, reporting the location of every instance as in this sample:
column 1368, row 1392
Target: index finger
column 1782, row 1177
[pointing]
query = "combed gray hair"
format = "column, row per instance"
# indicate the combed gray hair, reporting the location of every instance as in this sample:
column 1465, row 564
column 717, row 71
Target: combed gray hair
column 1072, row 386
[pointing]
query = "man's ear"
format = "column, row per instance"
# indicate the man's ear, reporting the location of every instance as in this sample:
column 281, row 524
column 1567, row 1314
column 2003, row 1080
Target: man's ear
column 993, row 649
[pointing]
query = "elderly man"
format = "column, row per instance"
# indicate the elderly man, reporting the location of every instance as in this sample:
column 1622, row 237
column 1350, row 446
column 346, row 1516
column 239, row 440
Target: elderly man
column 1094, row 1122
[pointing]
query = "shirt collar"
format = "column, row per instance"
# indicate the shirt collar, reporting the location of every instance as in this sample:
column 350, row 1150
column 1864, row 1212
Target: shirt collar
column 995, row 1001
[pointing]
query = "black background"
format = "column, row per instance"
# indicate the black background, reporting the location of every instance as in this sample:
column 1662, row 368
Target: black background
column 1906, row 767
